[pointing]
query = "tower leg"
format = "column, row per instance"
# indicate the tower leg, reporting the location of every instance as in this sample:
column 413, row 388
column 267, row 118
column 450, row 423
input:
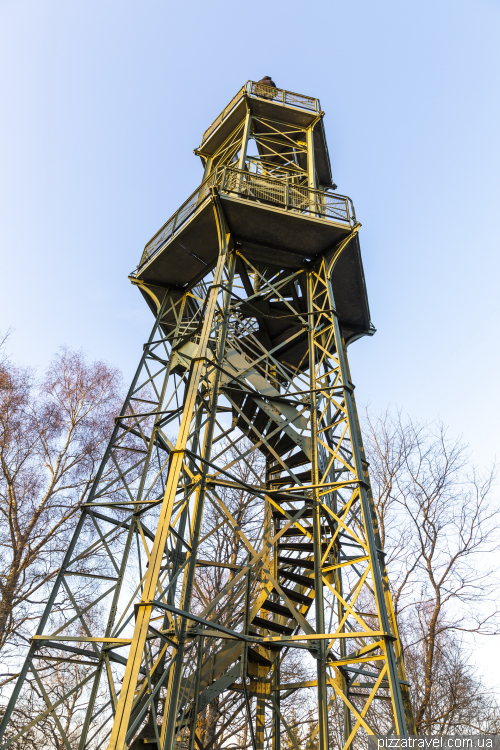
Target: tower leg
column 316, row 514
column 368, row 517
column 123, row 711
column 170, row 715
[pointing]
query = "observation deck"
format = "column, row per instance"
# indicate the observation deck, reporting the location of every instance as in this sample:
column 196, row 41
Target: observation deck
column 281, row 106
column 274, row 214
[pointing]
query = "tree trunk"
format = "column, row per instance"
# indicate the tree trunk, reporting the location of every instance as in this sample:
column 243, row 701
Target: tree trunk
column 213, row 715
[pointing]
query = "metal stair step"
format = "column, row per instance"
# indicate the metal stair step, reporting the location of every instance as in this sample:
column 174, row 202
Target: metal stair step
column 284, row 445
column 278, row 609
column 296, row 596
column 301, row 547
column 302, row 476
column 306, row 514
column 294, row 531
column 270, row 625
column 286, row 497
column 297, row 578
column 296, row 459
column 307, row 564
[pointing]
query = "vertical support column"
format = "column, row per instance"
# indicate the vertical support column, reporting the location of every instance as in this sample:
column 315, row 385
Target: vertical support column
column 343, row 653
column 276, row 669
column 208, row 167
column 367, row 510
column 170, row 713
column 260, row 716
column 335, row 579
column 245, row 139
column 410, row 722
column 316, row 518
column 311, row 166
column 144, row 610
column 196, row 693
column 262, row 683
column 244, row 658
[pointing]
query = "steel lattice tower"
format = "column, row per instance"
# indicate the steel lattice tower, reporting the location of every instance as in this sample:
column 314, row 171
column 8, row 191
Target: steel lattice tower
column 243, row 391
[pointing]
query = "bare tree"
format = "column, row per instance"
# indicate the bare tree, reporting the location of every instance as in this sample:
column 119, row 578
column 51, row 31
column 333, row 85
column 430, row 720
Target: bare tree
column 460, row 701
column 52, row 684
column 52, row 434
column 438, row 523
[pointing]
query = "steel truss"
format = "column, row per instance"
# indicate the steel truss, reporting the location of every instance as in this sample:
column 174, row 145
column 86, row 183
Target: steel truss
column 245, row 368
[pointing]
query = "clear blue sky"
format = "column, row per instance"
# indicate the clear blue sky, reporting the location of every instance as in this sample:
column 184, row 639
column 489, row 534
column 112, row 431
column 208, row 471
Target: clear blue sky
column 103, row 102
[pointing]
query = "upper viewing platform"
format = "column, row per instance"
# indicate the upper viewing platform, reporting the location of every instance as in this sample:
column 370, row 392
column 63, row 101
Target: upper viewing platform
column 271, row 103
column 266, row 168
column 259, row 92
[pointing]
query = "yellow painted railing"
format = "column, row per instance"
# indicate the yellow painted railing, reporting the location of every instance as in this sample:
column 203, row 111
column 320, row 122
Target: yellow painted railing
column 253, row 88
column 321, row 204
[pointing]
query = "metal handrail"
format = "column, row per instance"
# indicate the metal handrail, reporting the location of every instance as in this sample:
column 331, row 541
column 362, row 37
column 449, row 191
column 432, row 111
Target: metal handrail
column 220, row 119
column 300, row 199
column 321, row 204
column 189, row 207
column 289, row 98
column 254, row 88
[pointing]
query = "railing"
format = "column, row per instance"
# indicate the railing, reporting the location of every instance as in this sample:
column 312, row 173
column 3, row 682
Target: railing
column 232, row 104
column 299, row 199
column 283, row 96
column 253, row 88
column 181, row 215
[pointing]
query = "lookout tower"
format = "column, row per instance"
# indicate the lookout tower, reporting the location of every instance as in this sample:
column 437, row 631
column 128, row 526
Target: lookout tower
column 231, row 528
